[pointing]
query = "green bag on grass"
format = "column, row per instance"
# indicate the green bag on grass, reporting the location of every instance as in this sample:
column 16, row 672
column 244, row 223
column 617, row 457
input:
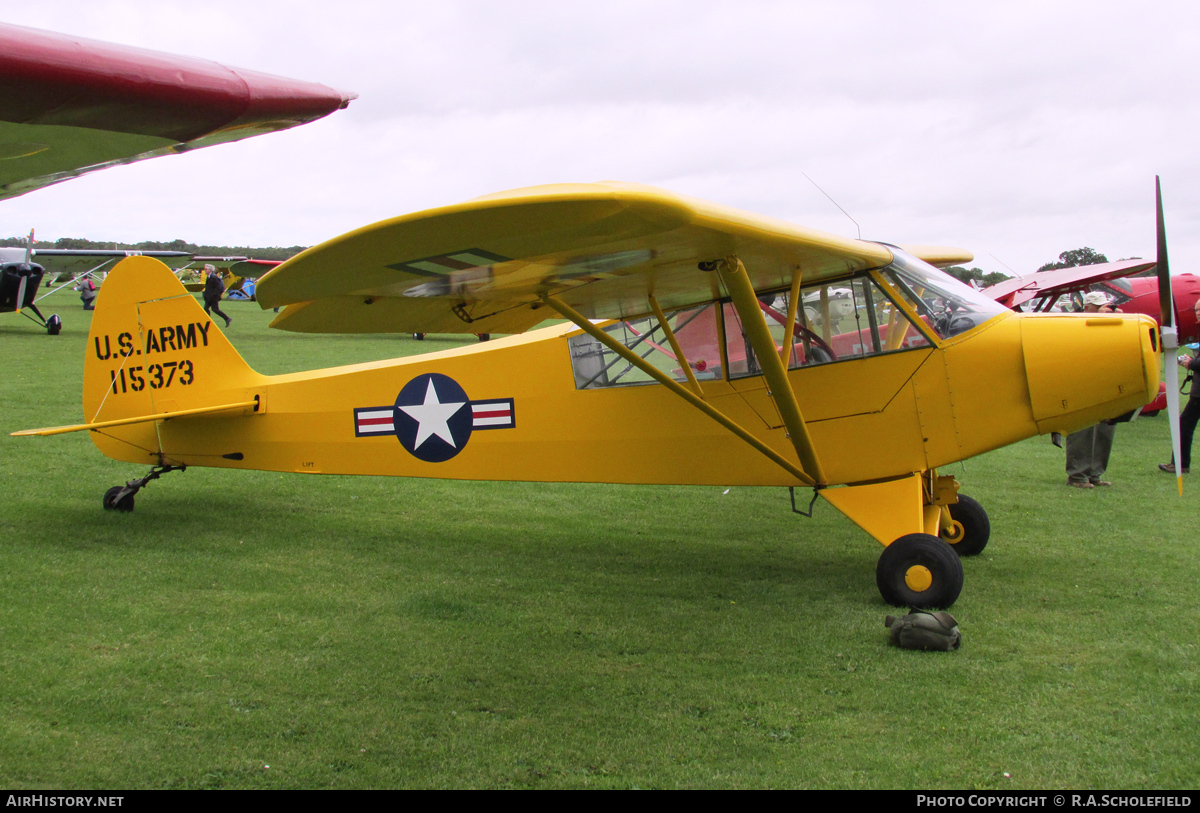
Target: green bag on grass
column 925, row 631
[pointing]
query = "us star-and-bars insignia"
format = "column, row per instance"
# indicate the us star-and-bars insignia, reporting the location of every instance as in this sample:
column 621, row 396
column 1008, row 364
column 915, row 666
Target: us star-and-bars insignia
column 433, row 418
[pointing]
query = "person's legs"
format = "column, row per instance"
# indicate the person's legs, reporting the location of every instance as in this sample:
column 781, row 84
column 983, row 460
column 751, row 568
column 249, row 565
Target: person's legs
column 1079, row 456
column 1101, row 450
column 1187, row 429
column 211, row 307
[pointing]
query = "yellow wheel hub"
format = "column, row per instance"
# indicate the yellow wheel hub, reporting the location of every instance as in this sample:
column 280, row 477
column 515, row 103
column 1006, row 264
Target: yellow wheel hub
column 918, row 578
column 954, row 533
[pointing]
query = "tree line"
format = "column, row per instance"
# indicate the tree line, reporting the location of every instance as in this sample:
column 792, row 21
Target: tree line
column 79, row 243
column 1071, row 258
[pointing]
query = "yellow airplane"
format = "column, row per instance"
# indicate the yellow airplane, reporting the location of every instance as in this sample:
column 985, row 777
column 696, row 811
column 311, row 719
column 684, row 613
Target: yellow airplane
column 235, row 272
column 686, row 358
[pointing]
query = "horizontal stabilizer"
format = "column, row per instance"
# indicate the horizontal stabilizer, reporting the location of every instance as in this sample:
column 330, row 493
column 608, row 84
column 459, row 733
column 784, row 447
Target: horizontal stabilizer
column 160, row 416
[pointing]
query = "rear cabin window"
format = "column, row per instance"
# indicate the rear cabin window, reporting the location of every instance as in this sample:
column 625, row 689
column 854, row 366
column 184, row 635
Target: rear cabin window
column 695, row 329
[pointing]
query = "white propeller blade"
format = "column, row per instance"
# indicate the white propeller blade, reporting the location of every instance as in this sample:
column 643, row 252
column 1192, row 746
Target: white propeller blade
column 1169, row 336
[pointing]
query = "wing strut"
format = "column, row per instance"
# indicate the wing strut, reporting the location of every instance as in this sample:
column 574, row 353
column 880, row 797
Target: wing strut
column 733, row 273
column 687, row 367
column 76, row 280
column 658, row 375
column 790, row 331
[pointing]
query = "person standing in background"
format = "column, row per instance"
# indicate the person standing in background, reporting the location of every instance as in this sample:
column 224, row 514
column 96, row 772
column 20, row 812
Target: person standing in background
column 1088, row 449
column 1190, row 415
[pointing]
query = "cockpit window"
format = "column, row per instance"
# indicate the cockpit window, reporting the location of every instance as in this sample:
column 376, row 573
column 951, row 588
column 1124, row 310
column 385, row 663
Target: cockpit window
column 844, row 319
column 947, row 305
column 835, row 321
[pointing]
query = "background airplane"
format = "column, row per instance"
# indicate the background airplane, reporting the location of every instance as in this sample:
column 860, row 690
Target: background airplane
column 1126, row 283
column 1062, row 288
column 70, row 106
column 240, row 274
column 65, row 266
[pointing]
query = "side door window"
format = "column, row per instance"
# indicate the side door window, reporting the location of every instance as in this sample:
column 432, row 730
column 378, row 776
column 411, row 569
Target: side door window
column 835, row 321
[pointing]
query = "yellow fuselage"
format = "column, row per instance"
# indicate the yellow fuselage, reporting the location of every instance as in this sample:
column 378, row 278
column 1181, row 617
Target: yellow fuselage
column 871, row 419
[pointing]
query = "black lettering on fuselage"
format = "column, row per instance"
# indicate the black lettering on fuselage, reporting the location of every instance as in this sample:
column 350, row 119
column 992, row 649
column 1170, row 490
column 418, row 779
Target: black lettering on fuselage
column 152, row 343
column 167, row 334
column 107, row 349
column 204, row 326
column 125, row 340
column 186, row 338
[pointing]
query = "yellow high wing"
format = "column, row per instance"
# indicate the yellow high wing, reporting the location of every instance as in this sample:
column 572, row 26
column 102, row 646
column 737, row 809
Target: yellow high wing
column 604, row 249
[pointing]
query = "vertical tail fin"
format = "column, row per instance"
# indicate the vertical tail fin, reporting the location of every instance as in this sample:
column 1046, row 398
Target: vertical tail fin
column 153, row 349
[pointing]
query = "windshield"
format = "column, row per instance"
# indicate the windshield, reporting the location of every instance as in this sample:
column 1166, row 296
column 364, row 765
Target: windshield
column 948, row 306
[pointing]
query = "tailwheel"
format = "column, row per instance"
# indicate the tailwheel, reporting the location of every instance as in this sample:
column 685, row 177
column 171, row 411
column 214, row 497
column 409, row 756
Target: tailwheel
column 919, row 571
column 119, row 498
column 969, row 532
column 54, row 325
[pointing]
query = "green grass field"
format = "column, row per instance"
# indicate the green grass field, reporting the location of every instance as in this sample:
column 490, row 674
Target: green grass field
column 258, row 630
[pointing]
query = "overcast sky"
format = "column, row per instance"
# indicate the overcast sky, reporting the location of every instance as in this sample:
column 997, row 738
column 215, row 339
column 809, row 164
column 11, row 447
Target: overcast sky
column 1016, row 130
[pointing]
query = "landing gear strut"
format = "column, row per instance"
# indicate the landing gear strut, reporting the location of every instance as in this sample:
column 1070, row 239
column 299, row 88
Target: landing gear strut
column 969, row 529
column 53, row 324
column 120, row 498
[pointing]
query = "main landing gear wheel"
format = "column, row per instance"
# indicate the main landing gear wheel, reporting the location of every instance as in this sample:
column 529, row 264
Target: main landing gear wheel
column 919, row 571
column 112, row 503
column 971, row 529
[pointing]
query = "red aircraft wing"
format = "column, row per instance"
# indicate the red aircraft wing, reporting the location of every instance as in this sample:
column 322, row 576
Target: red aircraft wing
column 1012, row 293
column 70, row 105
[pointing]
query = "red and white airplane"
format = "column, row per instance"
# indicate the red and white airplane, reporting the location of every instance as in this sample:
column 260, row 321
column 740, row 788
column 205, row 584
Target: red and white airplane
column 1121, row 281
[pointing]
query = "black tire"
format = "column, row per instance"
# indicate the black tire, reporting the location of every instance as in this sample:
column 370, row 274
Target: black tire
column 110, row 504
column 54, row 325
column 419, row 337
column 912, row 560
column 969, row 518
